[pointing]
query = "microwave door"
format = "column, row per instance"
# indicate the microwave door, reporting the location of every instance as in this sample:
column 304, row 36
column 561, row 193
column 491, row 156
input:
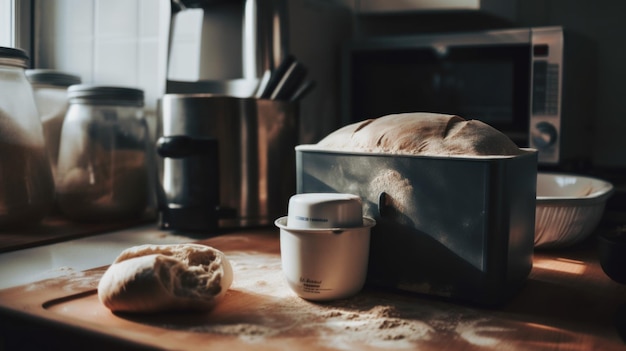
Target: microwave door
column 485, row 82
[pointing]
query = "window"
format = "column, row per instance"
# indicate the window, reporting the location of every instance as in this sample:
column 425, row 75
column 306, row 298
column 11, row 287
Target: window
column 15, row 24
column 6, row 23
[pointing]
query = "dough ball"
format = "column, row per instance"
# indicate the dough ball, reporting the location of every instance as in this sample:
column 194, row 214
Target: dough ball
column 153, row 278
column 421, row 133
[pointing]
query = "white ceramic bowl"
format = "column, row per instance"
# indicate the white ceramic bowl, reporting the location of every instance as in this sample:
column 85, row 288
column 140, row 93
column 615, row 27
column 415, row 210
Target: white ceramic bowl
column 569, row 208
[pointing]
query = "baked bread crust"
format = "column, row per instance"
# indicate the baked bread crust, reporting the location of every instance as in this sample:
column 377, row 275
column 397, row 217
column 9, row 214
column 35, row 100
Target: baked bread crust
column 421, row 133
column 152, row 278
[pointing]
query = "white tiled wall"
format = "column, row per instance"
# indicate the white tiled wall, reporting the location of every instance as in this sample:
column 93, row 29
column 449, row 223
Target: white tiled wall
column 124, row 42
column 112, row 42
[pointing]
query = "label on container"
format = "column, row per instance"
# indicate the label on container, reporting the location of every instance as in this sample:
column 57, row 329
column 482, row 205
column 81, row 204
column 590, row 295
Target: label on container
column 311, row 285
column 311, row 219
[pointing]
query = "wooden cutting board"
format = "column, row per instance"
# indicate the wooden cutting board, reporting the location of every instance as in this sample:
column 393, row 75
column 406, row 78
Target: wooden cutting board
column 568, row 304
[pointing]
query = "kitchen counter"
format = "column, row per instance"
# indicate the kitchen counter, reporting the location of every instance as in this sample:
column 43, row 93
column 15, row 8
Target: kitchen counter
column 568, row 303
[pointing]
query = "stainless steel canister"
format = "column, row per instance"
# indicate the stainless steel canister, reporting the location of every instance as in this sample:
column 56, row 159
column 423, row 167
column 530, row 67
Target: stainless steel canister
column 225, row 161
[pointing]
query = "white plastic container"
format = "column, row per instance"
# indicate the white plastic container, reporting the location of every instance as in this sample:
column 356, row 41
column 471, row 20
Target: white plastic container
column 325, row 263
column 325, row 210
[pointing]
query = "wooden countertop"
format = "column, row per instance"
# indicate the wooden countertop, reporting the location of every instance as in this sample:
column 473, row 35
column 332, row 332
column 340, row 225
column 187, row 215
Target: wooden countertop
column 567, row 304
column 55, row 229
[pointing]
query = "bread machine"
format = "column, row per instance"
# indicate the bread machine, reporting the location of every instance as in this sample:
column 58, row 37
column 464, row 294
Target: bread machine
column 455, row 227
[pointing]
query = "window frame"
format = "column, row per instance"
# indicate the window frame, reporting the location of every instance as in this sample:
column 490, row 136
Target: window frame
column 16, row 24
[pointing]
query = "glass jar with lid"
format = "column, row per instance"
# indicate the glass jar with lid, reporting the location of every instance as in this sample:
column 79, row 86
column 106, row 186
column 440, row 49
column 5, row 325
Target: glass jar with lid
column 102, row 171
column 26, row 185
column 50, row 89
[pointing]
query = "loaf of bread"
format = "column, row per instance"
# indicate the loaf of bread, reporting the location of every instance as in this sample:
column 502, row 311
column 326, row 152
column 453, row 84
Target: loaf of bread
column 420, row 133
column 153, row 278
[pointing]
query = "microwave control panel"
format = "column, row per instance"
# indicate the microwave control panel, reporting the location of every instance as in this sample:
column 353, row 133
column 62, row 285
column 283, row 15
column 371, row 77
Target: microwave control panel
column 545, row 113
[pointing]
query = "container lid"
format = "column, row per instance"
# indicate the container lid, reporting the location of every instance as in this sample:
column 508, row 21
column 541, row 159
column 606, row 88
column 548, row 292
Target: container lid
column 100, row 94
column 52, row 77
column 13, row 57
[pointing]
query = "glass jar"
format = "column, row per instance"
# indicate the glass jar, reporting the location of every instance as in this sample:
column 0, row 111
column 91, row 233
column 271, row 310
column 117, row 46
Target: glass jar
column 26, row 185
column 50, row 89
column 102, row 171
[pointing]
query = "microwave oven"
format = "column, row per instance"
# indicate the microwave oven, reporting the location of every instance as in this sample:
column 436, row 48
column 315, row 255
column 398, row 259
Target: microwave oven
column 512, row 79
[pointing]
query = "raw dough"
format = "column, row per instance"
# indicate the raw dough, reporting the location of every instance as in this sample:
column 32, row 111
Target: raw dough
column 421, row 133
column 151, row 278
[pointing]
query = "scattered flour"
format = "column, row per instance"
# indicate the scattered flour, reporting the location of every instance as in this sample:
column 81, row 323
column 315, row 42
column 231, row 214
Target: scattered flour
column 373, row 328
column 75, row 280
column 399, row 194
column 360, row 322
column 473, row 332
column 398, row 188
column 260, row 309
column 249, row 333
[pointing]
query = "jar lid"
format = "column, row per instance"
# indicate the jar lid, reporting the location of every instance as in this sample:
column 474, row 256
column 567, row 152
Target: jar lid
column 52, row 77
column 13, row 57
column 88, row 93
